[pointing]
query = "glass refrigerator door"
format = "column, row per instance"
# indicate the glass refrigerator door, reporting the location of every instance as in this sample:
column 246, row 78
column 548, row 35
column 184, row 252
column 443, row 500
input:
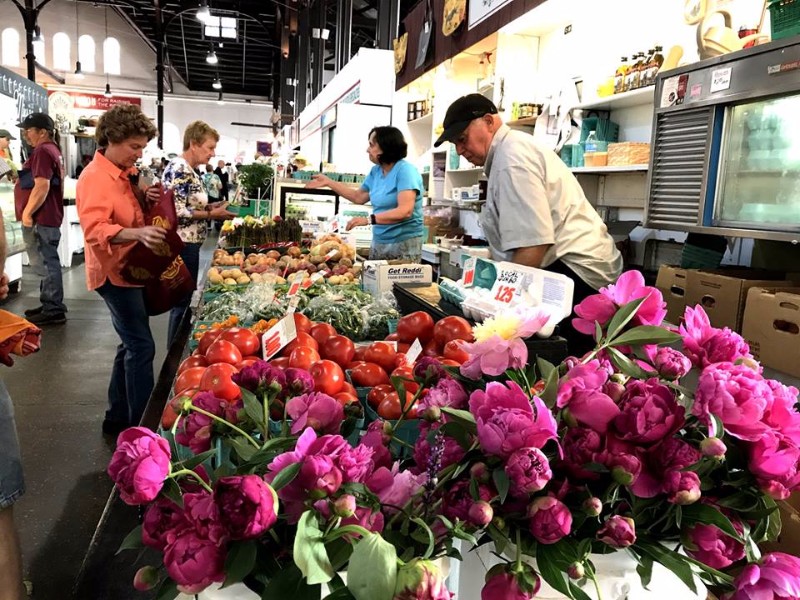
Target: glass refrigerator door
column 309, row 207
column 759, row 177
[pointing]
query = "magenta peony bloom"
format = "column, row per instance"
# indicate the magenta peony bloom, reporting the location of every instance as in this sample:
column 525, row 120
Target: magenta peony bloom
column 781, row 413
column 204, row 516
column 775, row 462
column 550, row 519
column 712, row 547
column 140, row 465
column 735, row 394
column 395, row 488
column 776, row 576
column 194, row 562
column 298, row 382
column 420, row 580
column 508, row 420
column 649, row 413
column 528, row 471
column 671, row 364
column 195, row 430
column 163, row 522
column 248, row 506
column 581, row 447
column 501, row 585
column 429, row 369
column 375, row 440
column 448, row 392
column 458, row 500
column 618, row 532
column 706, row 345
column 682, row 487
column 581, row 390
column 355, row 463
column 316, row 410
column 261, row 378
column 673, row 454
column 598, row 308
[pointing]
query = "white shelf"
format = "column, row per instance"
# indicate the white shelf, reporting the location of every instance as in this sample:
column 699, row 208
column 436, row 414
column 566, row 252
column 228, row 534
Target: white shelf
column 610, row 170
column 640, row 97
column 426, row 120
column 475, row 171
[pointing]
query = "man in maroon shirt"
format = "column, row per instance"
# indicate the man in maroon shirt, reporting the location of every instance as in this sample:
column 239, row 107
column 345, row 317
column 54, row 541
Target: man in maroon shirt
column 39, row 203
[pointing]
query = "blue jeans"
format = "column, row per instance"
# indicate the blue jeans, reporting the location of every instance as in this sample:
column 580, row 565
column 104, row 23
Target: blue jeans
column 191, row 256
column 132, row 375
column 12, row 484
column 41, row 243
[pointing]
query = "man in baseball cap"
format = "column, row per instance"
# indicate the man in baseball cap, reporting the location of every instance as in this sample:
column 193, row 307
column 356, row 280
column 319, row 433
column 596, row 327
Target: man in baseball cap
column 461, row 113
column 37, row 120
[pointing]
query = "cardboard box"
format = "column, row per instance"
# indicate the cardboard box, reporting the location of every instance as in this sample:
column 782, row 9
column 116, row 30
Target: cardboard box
column 671, row 282
column 723, row 292
column 379, row 276
column 772, row 327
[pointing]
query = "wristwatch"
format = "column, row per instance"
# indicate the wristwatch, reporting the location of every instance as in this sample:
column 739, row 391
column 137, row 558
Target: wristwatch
column 372, row 219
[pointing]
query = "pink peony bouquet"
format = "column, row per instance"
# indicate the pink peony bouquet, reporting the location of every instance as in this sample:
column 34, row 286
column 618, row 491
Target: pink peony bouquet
column 666, row 443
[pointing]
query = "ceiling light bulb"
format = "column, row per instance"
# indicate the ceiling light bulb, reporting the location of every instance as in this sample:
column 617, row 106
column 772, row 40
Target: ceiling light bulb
column 37, row 36
column 203, row 13
column 211, row 58
column 78, row 70
column 108, row 93
column 217, row 85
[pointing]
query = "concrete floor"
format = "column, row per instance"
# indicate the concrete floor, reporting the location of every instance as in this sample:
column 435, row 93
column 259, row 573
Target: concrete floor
column 60, row 397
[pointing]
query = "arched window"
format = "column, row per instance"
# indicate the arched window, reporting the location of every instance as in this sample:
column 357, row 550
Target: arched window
column 39, row 53
column 86, row 53
column 61, row 52
column 10, row 44
column 111, row 56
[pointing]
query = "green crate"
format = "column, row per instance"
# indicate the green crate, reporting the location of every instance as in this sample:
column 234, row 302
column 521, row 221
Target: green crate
column 784, row 16
column 248, row 209
column 695, row 257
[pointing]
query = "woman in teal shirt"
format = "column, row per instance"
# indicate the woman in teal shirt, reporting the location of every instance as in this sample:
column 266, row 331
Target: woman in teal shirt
column 394, row 188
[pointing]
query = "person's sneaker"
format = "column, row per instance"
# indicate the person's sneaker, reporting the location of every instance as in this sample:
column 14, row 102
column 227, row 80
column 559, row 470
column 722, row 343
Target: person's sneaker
column 48, row 319
column 32, row 312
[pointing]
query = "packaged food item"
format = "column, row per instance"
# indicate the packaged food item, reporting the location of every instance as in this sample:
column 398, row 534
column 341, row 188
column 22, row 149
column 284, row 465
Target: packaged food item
column 632, row 78
column 620, row 75
column 653, row 66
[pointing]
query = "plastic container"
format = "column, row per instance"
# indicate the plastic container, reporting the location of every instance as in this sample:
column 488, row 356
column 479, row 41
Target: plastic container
column 784, row 17
column 595, row 159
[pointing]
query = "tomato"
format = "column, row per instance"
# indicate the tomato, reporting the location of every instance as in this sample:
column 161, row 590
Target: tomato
column 368, row 375
column 247, row 362
column 390, row 408
column 222, row 351
column 454, row 350
column 449, row 362
column 190, row 378
column 303, row 357
column 407, row 375
column 168, row 416
column 302, row 323
column 281, row 362
column 360, row 354
column 452, row 328
column 401, row 360
column 345, row 398
column 349, row 388
column 302, row 339
column 244, row 339
column 378, row 393
column 192, row 361
column 322, row 331
column 431, row 348
column 402, row 347
column 339, row 349
column 354, row 364
column 328, row 377
column 383, row 354
column 209, row 337
column 392, row 337
column 251, row 357
column 217, row 379
column 417, row 325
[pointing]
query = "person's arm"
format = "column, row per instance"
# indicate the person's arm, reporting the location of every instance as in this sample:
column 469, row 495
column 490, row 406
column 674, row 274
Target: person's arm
column 532, row 256
column 355, row 195
column 41, row 187
column 405, row 208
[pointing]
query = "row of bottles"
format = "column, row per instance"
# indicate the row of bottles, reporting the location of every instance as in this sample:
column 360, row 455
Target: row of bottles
column 638, row 72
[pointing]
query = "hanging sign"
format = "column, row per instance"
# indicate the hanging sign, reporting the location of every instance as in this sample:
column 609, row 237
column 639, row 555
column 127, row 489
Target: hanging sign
column 83, row 101
column 480, row 10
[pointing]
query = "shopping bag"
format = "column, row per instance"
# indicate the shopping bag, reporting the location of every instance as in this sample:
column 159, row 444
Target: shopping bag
column 171, row 288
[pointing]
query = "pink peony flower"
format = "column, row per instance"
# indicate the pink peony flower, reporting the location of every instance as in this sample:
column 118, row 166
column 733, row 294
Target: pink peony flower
column 671, row 364
column 395, row 488
column 316, row 410
column 204, row 517
column 355, row 463
column 501, row 585
column 581, row 391
column 451, row 453
column 781, row 413
column 140, row 465
column 776, row 576
column 375, row 440
column 163, row 522
column 712, row 547
column 736, row 395
column 673, row 454
column 706, row 345
column 298, row 382
column 194, row 562
column 494, row 357
column 682, row 487
column 458, row 500
column 195, row 430
column 508, row 420
column 528, row 471
column 261, row 378
column 420, row 580
column 618, row 532
column 248, row 506
column 649, row 413
column 549, row 519
column 448, row 392
column 598, row 308
column 775, row 461
column 581, row 447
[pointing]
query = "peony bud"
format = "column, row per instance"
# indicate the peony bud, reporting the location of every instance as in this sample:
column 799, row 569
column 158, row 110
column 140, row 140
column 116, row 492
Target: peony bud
column 671, row 364
column 504, row 585
column 550, row 519
column 576, row 571
column 145, row 579
column 568, row 418
column 420, row 579
column 499, row 522
column 713, row 447
column 683, row 487
column 481, row 513
column 345, row 506
column 622, row 476
column 432, row 414
column 593, row 506
column 480, row 472
column 614, row 390
column 618, row 532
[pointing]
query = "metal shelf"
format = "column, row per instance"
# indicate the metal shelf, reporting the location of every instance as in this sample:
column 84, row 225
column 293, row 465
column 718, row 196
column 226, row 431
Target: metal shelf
column 610, row 170
column 526, row 122
column 640, row 97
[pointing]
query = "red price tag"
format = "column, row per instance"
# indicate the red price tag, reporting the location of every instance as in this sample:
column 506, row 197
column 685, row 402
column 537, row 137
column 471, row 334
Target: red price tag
column 469, row 272
column 507, row 286
column 307, row 283
column 278, row 336
column 294, row 288
column 330, row 255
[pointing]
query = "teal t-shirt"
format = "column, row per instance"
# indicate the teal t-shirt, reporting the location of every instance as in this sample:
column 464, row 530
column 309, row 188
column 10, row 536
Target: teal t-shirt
column 383, row 190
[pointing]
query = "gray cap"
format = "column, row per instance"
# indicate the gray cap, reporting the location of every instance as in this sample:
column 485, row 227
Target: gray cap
column 4, row 133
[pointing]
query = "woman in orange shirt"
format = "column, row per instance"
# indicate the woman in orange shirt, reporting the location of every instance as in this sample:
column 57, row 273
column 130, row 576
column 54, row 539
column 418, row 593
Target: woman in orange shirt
column 113, row 223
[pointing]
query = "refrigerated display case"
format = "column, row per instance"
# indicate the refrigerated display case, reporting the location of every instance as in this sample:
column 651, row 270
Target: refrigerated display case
column 726, row 152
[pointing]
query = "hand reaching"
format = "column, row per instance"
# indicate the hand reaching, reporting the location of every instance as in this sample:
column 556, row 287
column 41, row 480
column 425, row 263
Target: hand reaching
column 151, row 236
column 357, row 222
column 3, row 286
column 153, row 193
column 319, row 181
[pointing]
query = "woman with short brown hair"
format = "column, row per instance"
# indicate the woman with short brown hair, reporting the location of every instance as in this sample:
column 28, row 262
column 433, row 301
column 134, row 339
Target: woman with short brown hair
column 113, row 223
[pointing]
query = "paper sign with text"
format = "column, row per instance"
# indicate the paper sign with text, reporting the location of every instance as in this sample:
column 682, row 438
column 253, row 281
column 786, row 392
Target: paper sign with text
column 278, row 336
column 469, row 272
column 507, row 286
column 414, row 351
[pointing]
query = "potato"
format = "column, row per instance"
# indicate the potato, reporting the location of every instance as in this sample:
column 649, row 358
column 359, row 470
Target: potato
column 335, row 279
column 243, row 279
column 255, row 277
column 214, row 277
column 345, row 262
column 229, row 281
column 294, row 252
column 273, row 254
column 236, row 273
column 280, row 281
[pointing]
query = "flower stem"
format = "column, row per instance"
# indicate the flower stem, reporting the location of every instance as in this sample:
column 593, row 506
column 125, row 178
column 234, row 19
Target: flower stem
column 224, row 422
column 518, row 562
column 191, row 473
column 596, row 585
column 266, row 418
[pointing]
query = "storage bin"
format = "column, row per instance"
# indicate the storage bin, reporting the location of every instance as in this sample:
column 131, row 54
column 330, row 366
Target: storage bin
column 595, row 159
column 628, row 153
column 784, row 16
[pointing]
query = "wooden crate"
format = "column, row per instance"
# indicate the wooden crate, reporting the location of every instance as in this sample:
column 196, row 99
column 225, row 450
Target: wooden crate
column 628, row 153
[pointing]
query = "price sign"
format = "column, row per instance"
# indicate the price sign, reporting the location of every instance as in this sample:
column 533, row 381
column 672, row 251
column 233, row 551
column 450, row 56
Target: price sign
column 293, row 304
column 278, row 336
column 294, row 288
column 335, row 225
column 469, row 272
column 307, row 283
column 414, row 351
column 507, row 286
column 330, row 255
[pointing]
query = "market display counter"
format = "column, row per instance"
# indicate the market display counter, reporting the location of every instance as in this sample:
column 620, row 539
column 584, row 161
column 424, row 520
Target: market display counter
column 427, row 298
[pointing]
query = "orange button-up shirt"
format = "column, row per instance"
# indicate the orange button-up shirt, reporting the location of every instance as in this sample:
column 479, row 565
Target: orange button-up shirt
column 106, row 206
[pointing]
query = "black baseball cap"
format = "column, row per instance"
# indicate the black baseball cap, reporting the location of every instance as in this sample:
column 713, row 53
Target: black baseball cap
column 461, row 113
column 4, row 133
column 37, row 120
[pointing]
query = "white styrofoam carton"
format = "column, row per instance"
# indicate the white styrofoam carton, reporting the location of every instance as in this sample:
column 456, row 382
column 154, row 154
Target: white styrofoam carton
column 379, row 276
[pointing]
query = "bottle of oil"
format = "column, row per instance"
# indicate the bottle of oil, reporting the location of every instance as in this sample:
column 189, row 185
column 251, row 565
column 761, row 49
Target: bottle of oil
column 632, row 78
column 654, row 66
column 620, row 75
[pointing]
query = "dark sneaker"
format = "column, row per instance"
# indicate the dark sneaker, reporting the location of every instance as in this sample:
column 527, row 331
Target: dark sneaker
column 32, row 312
column 48, row 319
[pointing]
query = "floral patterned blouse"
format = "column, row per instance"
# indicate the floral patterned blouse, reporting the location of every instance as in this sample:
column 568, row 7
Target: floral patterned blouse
column 190, row 195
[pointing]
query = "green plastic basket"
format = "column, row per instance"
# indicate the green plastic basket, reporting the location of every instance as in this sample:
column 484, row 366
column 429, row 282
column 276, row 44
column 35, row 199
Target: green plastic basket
column 695, row 257
column 784, row 17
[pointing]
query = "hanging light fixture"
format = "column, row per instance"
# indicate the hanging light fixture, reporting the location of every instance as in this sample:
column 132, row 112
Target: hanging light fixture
column 217, row 85
column 220, row 101
column 211, row 57
column 78, row 70
column 203, row 13
column 107, row 93
column 37, row 35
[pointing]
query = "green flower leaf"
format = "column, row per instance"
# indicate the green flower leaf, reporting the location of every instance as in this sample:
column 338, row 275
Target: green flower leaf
column 645, row 569
column 132, row 541
column 464, row 417
column 547, row 563
column 310, row 554
column 622, row 317
column 626, row 365
column 168, row 590
column 241, row 447
column 671, row 560
column 253, row 408
column 198, row 459
column 646, row 334
column 286, row 476
column 240, row 561
column 372, row 573
column 708, row 515
column 288, row 583
column 502, row 483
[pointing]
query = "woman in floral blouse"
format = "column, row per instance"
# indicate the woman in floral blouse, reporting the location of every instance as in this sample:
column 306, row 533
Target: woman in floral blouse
column 191, row 202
